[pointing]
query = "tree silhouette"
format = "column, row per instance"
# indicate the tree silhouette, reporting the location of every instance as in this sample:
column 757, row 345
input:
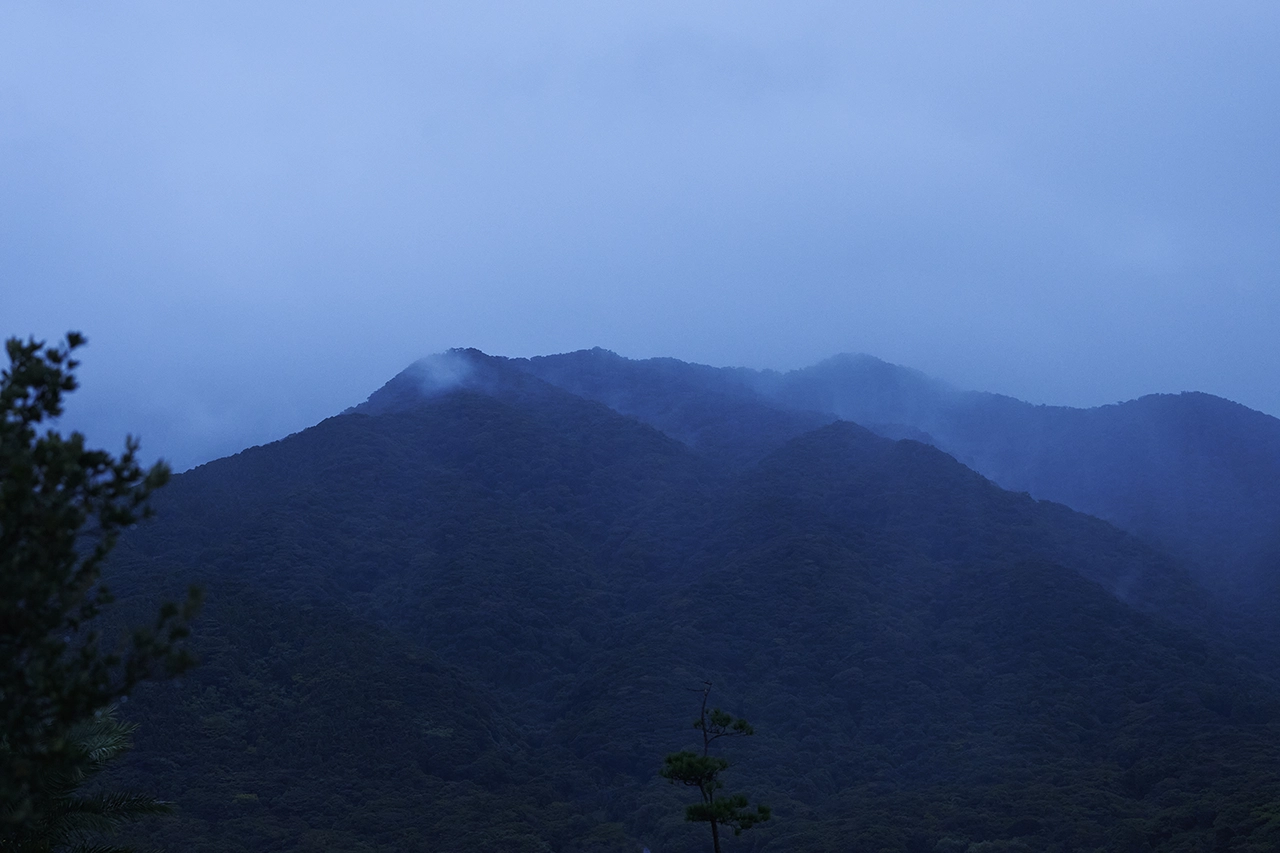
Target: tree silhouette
column 62, row 507
column 702, row 771
column 73, row 821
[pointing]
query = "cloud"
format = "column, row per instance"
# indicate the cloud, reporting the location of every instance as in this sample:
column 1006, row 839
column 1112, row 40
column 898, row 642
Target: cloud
column 1071, row 202
column 442, row 372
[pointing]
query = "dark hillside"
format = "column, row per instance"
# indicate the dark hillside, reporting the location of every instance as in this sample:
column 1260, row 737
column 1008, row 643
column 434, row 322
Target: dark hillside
column 842, row 478
column 1195, row 471
column 307, row 729
column 1195, row 474
column 467, row 617
column 485, row 545
column 907, row 644
column 378, row 511
column 716, row 411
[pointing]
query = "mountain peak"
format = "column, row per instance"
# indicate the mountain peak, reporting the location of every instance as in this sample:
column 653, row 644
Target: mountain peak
column 442, row 373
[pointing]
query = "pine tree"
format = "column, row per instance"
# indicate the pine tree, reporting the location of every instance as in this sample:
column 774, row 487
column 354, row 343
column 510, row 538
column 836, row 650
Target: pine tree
column 73, row 821
column 62, row 507
column 702, row 771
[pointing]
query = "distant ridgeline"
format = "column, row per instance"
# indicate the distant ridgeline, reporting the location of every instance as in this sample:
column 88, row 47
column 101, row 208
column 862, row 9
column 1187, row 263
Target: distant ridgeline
column 1193, row 473
column 467, row 615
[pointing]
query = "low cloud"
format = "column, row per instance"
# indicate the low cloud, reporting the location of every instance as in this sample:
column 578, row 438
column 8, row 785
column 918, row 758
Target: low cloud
column 442, row 372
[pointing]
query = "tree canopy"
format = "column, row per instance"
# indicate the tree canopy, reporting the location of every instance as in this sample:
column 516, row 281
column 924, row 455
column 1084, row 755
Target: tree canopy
column 62, row 508
column 702, row 771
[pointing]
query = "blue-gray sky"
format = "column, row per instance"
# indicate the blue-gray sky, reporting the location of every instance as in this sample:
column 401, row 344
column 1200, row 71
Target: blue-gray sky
column 259, row 212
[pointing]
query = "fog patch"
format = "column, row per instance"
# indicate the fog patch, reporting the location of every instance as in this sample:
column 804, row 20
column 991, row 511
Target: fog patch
column 442, row 372
column 425, row 379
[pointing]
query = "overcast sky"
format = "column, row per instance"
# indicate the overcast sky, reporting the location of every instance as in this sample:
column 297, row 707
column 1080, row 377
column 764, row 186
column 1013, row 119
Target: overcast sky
column 259, row 212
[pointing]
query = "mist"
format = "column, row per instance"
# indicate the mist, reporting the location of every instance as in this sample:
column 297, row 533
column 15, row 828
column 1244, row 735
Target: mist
column 259, row 215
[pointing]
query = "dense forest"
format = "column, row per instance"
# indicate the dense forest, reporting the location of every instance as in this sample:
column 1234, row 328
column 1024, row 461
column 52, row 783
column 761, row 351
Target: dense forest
column 475, row 612
column 1194, row 473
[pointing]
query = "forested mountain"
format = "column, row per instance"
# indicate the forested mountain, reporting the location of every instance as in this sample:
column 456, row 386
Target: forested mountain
column 1194, row 473
column 467, row 615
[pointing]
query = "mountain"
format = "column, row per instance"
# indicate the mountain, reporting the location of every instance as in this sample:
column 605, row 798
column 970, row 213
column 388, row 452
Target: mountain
column 468, row 614
column 716, row 411
column 1194, row 474
column 395, row 602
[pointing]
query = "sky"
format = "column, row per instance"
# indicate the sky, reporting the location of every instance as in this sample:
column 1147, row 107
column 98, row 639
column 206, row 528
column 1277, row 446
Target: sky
column 260, row 212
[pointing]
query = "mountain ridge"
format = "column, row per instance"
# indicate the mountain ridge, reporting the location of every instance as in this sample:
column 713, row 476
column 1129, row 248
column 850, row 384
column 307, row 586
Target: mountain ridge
column 539, row 578
column 1196, row 474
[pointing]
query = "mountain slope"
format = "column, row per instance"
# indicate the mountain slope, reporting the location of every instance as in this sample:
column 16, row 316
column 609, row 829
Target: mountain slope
column 1196, row 473
column 1193, row 473
column 467, row 615
column 717, row 411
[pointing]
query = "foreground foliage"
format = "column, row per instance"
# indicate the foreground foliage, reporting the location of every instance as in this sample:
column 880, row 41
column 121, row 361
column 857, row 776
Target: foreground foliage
column 702, row 771
column 62, row 508
column 76, row 820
